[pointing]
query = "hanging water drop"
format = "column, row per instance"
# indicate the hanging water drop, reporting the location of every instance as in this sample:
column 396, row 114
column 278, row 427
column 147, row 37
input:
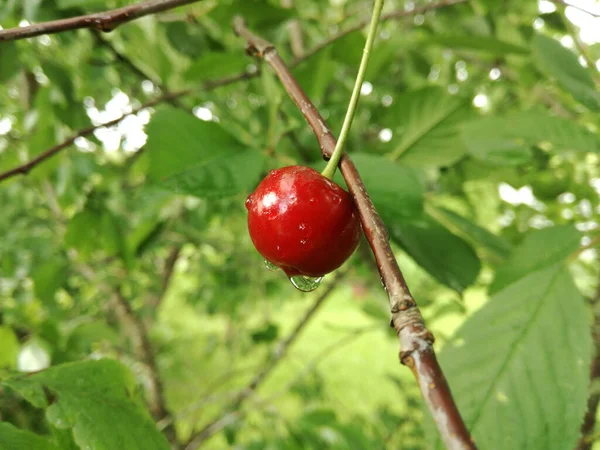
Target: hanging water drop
column 305, row 284
column 270, row 266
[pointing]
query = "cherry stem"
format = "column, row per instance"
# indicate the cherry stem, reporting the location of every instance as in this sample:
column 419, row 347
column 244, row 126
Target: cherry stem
column 329, row 170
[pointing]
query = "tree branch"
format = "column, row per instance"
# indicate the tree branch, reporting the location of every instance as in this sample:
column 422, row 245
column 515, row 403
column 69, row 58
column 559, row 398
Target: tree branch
column 25, row 168
column 581, row 47
column 102, row 21
column 580, row 8
column 123, row 59
column 230, row 414
column 158, row 404
column 416, row 341
column 213, row 84
column 167, row 274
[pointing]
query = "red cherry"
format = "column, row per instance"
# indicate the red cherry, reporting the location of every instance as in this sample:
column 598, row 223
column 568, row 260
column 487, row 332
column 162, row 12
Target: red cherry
column 302, row 222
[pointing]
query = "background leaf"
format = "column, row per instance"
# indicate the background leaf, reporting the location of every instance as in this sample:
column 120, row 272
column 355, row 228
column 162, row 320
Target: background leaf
column 396, row 190
column 426, row 129
column 444, row 255
column 216, row 65
column 11, row 438
column 556, row 62
column 479, row 43
column 539, row 249
column 528, row 339
column 9, row 348
column 491, row 245
column 209, row 162
column 97, row 400
column 508, row 139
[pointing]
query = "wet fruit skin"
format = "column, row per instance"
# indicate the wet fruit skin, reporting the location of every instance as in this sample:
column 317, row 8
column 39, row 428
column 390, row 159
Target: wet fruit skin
column 302, row 222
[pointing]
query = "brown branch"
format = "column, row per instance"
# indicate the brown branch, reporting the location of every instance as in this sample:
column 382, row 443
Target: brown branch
column 143, row 348
column 213, row 84
column 416, row 341
column 231, row 413
column 167, row 274
column 25, row 168
column 102, row 21
column 127, row 62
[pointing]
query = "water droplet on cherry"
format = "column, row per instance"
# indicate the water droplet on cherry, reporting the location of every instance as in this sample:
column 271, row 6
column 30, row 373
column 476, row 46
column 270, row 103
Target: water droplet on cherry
column 305, row 284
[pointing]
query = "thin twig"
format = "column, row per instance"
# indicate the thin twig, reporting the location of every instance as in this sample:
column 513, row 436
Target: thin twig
column 220, row 422
column 581, row 46
column 143, row 348
column 158, row 404
column 213, row 84
column 574, row 6
column 314, row 362
column 416, row 341
column 25, row 168
column 127, row 62
column 102, row 21
column 167, row 274
column 265, row 49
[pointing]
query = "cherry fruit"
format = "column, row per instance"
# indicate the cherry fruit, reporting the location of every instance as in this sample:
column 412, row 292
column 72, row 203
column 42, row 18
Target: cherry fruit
column 302, row 222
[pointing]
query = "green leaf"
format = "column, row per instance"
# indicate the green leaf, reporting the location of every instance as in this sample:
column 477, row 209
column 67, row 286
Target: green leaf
column 445, row 256
column 396, row 190
column 11, row 438
column 265, row 334
column 145, row 235
column 491, row 245
column 319, row 418
column 376, row 311
column 186, row 38
column 315, row 74
column 482, row 43
column 539, row 249
column 216, row 65
column 9, row 61
column 49, row 277
column 97, row 400
column 559, row 63
column 349, row 48
column 88, row 4
column 9, row 348
column 519, row 366
column 82, row 339
column 257, row 13
column 30, row 9
column 31, row 391
column 426, row 127
column 82, row 231
column 190, row 156
column 507, row 139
